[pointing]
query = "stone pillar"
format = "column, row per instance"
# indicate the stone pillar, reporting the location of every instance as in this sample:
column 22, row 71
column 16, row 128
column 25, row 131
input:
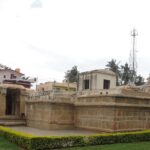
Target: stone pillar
column 2, row 102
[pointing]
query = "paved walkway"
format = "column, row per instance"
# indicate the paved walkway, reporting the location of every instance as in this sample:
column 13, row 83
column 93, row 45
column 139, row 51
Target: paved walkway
column 40, row 132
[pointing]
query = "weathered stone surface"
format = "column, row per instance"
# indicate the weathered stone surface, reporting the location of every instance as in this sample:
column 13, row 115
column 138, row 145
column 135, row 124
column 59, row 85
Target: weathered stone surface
column 50, row 115
column 2, row 105
column 122, row 110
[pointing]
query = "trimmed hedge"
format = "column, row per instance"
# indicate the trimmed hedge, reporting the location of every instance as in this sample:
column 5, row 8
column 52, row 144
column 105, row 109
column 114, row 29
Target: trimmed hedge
column 30, row 142
column 21, row 139
column 41, row 143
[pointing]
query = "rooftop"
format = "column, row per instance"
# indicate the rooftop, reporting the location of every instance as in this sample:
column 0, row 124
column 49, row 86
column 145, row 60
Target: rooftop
column 102, row 71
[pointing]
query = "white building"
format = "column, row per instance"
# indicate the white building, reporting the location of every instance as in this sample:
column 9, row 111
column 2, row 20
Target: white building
column 7, row 74
column 97, row 80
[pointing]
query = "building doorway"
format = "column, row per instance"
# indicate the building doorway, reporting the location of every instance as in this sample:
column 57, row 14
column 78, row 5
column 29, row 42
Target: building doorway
column 13, row 102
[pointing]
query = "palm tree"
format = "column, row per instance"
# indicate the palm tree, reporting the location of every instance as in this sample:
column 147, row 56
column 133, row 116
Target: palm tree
column 113, row 65
column 126, row 74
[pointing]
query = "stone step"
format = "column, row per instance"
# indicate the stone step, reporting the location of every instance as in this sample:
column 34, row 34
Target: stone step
column 12, row 122
column 10, row 118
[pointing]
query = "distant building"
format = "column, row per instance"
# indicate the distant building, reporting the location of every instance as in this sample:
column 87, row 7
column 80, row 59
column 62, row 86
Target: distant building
column 97, row 79
column 56, row 86
column 10, row 76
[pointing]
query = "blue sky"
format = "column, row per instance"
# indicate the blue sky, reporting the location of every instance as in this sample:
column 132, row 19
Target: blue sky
column 45, row 38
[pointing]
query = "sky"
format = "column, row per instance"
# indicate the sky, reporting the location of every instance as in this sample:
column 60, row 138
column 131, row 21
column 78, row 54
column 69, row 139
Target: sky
column 45, row 38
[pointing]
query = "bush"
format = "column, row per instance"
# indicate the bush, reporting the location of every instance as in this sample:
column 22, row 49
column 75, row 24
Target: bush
column 40, row 143
column 21, row 139
column 30, row 142
column 127, row 137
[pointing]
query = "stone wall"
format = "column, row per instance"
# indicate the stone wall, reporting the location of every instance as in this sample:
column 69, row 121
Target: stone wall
column 112, row 113
column 125, row 111
column 95, row 117
column 50, row 115
column 132, row 114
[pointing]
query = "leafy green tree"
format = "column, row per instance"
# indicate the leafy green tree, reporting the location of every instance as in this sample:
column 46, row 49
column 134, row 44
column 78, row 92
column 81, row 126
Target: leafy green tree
column 125, row 74
column 139, row 80
column 72, row 75
column 113, row 65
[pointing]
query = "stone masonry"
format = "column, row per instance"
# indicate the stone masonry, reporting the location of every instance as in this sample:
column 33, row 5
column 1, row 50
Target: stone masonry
column 125, row 110
column 111, row 110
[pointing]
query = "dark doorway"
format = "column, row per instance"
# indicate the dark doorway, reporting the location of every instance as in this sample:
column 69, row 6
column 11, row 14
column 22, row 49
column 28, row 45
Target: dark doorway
column 106, row 84
column 86, row 84
column 12, row 101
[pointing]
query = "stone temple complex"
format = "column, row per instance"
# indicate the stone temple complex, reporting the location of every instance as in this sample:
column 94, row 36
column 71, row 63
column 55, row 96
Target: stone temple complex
column 97, row 105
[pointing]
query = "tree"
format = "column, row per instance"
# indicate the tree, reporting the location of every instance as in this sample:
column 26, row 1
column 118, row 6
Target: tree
column 139, row 80
column 113, row 65
column 72, row 75
column 125, row 74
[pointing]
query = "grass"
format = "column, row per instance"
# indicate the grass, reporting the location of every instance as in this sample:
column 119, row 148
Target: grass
column 123, row 146
column 5, row 145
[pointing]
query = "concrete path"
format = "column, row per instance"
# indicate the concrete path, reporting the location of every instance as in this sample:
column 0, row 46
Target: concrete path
column 40, row 132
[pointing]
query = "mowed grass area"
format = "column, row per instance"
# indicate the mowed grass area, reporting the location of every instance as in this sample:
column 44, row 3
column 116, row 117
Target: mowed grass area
column 5, row 145
column 120, row 146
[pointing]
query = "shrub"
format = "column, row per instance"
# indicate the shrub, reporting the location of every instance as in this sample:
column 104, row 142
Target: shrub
column 30, row 142
column 21, row 139
column 126, row 137
column 40, row 143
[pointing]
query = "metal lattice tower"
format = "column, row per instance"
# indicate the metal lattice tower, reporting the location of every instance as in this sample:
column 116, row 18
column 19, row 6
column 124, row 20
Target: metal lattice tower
column 133, row 62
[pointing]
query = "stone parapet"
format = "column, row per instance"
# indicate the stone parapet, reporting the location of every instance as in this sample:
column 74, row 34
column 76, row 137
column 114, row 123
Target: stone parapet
column 124, row 101
column 120, row 91
column 100, row 92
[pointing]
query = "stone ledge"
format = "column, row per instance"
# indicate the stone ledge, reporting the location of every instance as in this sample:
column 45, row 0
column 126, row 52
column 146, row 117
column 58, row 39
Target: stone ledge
column 110, row 105
column 115, row 95
column 49, row 101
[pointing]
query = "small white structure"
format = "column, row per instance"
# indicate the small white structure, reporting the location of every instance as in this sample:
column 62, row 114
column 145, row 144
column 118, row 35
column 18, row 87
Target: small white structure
column 97, row 80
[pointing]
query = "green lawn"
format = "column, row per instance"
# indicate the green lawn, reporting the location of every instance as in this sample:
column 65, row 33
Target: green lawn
column 5, row 145
column 128, row 146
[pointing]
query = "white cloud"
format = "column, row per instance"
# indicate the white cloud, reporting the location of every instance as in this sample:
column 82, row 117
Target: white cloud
column 48, row 41
column 36, row 4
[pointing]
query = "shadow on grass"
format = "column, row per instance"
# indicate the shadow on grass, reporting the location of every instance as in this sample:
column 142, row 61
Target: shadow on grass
column 6, row 145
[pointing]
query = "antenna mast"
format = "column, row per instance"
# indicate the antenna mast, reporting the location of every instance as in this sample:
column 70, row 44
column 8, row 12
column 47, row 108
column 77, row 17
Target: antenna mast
column 133, row 63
